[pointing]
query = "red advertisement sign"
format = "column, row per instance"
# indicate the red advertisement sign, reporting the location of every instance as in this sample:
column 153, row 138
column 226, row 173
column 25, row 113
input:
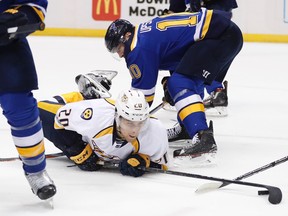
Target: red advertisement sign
column 107, row 10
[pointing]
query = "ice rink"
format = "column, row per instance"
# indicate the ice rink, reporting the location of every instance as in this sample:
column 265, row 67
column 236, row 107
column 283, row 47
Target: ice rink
column 253, row 134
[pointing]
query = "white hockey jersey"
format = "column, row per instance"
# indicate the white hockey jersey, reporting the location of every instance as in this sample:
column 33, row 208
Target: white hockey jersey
column 95, row 121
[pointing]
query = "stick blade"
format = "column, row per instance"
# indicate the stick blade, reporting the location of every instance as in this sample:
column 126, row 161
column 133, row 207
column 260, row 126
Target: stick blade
column 208, row 187
column 275, row 195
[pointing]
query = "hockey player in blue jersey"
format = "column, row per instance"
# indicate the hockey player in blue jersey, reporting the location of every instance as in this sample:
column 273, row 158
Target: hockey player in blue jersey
column 17, row 80
column 217, row 101
column 177, row 6
column 198, row 47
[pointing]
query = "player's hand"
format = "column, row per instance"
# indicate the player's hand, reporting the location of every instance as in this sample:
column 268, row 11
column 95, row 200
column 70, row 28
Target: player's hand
column 90, row 164
column 10, row 18
column 195, row 5
column 134, row 165
column 167, row 98
column 87, row 160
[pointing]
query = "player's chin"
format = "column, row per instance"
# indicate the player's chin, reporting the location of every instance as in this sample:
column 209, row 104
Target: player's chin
column 131, row 138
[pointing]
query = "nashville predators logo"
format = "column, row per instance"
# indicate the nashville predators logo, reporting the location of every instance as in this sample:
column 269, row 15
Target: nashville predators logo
column 87, row 114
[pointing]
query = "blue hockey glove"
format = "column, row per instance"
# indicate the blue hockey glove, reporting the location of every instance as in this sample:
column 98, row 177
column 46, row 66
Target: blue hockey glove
column 195, row 5
column 134, row 165
column 10, row 18
column 167, row 98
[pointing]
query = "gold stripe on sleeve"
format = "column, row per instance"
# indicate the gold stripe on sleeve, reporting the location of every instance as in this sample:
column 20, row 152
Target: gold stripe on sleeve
column 206, row 23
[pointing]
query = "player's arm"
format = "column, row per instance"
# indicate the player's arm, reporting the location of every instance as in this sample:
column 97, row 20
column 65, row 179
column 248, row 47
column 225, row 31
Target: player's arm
column 21, row 14
column 83, row 155
column 87, row 160
column 69, row 97
column 144, row 75
column 156, row 143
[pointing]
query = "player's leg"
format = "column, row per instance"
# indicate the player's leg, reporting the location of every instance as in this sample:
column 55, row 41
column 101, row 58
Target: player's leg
column 204, row 62
column 22, row 114
column 185, row 93
column 69, row 142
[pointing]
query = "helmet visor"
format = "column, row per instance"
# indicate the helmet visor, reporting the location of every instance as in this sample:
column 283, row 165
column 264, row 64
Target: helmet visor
column 115, row 48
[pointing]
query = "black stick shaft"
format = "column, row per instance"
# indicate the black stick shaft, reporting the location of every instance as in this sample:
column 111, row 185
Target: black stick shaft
column 260, row 169
column 208, row 178
column 52, row 155
column 26, row 28
column 157, row 108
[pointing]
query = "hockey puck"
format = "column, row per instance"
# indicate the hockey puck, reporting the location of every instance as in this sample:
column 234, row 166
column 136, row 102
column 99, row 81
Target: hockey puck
column 263, row 192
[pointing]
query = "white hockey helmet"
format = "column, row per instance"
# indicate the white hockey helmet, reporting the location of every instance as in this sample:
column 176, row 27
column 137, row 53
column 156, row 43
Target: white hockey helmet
column 132, row 105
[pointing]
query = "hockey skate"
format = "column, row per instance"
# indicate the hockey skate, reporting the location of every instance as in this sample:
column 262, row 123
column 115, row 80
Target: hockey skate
column 203, row 147
column 95, row 84
column 178, row 136
column 41, row 184
column 217, row 102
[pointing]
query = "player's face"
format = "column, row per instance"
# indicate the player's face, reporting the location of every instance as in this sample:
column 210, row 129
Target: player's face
column 130, row 129
column 120, row 50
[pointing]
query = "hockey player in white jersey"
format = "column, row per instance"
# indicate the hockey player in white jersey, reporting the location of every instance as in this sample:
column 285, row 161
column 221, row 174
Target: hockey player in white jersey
column 96, row 130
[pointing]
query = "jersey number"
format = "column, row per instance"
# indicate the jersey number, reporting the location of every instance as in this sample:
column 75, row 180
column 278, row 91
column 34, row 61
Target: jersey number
column 187, row 21
column 63, row 117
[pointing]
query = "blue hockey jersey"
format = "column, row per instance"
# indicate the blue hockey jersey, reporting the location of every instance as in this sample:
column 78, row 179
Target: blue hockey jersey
column 40, row 4
column 160, row 43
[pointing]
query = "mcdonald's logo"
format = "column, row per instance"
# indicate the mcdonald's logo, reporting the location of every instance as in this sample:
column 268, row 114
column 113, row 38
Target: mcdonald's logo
column 108, row 10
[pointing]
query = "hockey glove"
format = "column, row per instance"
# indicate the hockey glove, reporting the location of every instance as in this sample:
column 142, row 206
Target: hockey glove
column 167, row 98
column 87, row 160
column 195, row 5
column 10, row 18
column 134, row 165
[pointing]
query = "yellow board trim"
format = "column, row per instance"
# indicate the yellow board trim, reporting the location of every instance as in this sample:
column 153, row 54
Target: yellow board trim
column 265, row 38
column 71, row 32
column 276, row 38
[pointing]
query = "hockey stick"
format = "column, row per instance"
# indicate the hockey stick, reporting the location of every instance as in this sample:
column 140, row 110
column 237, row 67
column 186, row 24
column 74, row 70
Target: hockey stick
column 275, row 194
column 40, row 26
column 157, row 108
column 214, row 186
column 52, row 155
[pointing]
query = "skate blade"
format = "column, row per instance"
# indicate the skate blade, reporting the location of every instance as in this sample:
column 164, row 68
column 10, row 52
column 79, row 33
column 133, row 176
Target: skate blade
column 220, row 111
column 50, row 202
column 203, row 160
column 180, row 143
column 170, row 108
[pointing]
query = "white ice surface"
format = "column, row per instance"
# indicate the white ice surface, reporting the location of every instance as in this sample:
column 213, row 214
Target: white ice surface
column 253, row 134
